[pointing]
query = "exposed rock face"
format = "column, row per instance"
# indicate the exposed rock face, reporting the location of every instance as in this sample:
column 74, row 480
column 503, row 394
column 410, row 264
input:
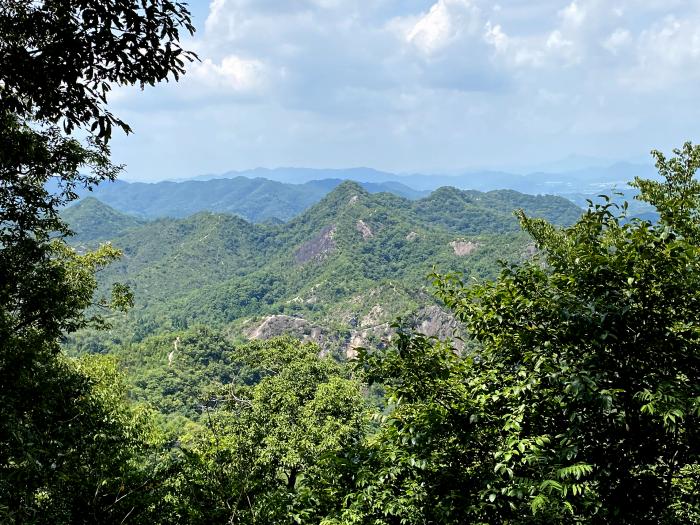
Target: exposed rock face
column 318, row 247
column 433, row 321
column 352, row 200
column 377, row 336
column 372, row 317
column 278, row 325
column 356, row 342
column 365, row 230
column 411, row 236
column 463, row 248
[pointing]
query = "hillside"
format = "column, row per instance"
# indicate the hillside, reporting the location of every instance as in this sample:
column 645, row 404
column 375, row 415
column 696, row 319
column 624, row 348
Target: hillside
column 475, row 212
column 92, row 220
column 342, row 270
column 277, row 195
column 338, row 274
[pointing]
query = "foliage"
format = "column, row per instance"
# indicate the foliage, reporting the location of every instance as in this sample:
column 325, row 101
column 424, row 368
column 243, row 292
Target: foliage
column 79, row 453
column 260, row 200
column 215, row 269
column 256, row 199
column 581, row 403
column 89, row 220
column 269, row 440
column 430, row 455
column 59, row 60
column 67, row 442
column 575, row 401
column 474, row 212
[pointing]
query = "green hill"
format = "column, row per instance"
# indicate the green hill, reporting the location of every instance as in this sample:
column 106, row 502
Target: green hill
column 339, row 273
column 473, row 212
column 92, row 220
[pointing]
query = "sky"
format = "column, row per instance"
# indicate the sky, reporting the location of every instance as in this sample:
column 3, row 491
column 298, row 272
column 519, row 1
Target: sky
column 430, row 86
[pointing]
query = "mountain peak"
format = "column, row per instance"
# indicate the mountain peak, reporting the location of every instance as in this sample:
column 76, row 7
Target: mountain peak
column 90, row 219
column 348, row 186
column 347, row 192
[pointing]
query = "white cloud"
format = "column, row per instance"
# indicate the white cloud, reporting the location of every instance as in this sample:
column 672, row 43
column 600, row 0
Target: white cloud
column 557, row 42
column 398, row 83
column 232, row 73
column 495, row 36
column 673, row 42
column 573, row 14
column 617, row 40
column 445, row 23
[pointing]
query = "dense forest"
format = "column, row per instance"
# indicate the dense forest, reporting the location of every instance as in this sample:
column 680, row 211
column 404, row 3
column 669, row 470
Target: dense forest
column 216, row 274
column 351, row 254
column 373, row 360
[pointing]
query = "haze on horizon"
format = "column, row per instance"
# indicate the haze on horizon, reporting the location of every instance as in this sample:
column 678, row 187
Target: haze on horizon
column 419, row 86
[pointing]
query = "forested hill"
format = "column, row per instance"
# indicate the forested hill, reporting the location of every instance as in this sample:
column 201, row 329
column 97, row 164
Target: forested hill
column 91, row 219
column 346, row 267
column 254, row 199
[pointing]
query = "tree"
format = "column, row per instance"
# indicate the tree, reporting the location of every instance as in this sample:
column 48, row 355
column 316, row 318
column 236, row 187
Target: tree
column 581, row 401
column 267, row 453
column 88, row 454
column 58, row 62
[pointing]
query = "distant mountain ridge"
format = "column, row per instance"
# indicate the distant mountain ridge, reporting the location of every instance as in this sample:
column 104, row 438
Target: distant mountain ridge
column 588, row 180
column 278, row 195
column 257, row 200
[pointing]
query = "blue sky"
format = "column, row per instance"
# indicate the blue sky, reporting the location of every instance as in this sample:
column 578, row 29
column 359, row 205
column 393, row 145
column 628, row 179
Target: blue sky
column 419, row 86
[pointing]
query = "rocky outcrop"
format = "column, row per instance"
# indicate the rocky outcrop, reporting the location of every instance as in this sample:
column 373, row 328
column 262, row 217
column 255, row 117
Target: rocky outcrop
column 364, row 229
column 373, row 317
column 433, row 321
column 317, row 248
column 376, row 336
column 277, row 325
column 464, row 248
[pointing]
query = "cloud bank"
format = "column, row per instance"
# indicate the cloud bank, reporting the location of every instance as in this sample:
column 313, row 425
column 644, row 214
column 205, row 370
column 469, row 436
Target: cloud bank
column 420, row 85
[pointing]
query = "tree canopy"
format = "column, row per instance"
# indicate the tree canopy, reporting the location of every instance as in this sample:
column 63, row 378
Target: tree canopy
column 575, row 400
column 580, row 403
column 60, row 437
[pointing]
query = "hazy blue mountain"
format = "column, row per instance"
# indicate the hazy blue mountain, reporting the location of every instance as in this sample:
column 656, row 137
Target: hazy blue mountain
column 256, row 200
column 569, row 163
column 586, row 180
column 277, row 195
column 302, row 175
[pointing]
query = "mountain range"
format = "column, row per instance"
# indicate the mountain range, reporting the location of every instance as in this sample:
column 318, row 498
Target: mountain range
column 255, row 199
column 588, row 180
column 339, row 272
column 279, row 195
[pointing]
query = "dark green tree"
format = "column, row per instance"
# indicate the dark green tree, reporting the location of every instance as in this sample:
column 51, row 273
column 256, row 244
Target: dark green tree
column 266, row 451
column 581, row 403
column 58, row 61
